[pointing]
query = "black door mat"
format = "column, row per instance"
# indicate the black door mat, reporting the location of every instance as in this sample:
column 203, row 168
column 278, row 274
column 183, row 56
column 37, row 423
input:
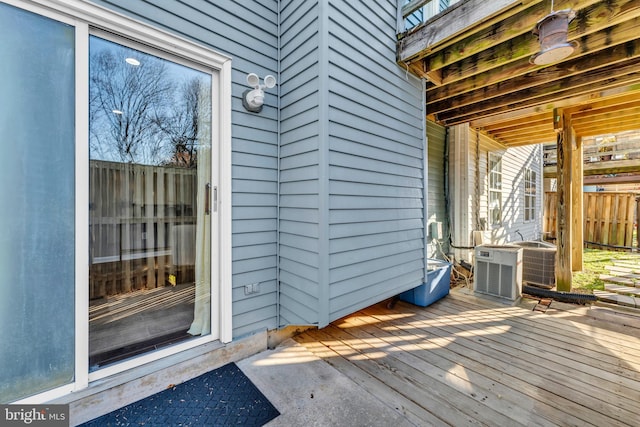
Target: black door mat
column 222, row 397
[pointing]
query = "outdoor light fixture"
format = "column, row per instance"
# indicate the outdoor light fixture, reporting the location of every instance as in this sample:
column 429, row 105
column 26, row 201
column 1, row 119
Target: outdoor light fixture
column 552, row 35
column 253, row 99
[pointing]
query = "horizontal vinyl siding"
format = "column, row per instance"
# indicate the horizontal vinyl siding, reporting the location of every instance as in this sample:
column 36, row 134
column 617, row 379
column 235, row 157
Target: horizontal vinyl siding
column 376, row 245
column 248, row 33
column 514, row 162
column 299, row 185
column 437, row 209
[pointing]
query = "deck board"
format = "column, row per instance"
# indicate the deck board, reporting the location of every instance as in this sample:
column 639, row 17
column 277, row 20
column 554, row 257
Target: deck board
column 463, row 361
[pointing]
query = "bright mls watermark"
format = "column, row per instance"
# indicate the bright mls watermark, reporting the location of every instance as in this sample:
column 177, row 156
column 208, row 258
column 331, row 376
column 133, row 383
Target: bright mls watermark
column 34, row 415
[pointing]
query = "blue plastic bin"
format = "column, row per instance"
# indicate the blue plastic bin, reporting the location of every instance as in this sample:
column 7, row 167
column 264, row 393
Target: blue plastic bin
column 437, row 286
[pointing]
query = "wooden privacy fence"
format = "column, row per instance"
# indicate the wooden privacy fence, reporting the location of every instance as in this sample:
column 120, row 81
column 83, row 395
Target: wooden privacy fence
column 141, row 227
column 609, row 218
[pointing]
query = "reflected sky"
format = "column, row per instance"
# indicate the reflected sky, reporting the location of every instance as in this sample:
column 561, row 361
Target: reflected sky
column 144, row 109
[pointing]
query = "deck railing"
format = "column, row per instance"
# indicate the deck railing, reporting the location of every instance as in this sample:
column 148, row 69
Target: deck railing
column 412, row 13
column 625, row 146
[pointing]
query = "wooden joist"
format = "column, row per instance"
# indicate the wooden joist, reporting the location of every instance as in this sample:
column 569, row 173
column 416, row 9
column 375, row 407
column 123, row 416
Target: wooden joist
column 480, row 70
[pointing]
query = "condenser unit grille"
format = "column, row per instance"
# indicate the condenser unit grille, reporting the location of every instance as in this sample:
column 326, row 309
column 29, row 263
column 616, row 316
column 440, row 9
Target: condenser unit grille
column 538, row 263
column 498, row 271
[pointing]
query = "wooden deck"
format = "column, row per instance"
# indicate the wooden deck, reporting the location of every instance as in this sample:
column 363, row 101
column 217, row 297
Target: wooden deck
column 466, row 361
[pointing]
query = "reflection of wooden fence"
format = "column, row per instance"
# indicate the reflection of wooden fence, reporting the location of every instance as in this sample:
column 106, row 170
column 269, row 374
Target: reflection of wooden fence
column 609, row 218
column 142, row 227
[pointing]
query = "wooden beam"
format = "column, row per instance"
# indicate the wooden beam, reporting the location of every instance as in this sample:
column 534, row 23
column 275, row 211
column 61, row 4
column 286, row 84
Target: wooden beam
column 525, row 131
column 577, row 226
column 517, row 123
column 608, row 96
column 599, row 128
column 600, row 116
column 459, row 18
column 626, row 178
column 549, row 95
column 496, row 66
column 617, row 61
column 516, row 31
column 564, row 192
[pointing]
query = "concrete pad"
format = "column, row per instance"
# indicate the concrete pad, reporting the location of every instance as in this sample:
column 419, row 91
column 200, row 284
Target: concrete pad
column 309, row 392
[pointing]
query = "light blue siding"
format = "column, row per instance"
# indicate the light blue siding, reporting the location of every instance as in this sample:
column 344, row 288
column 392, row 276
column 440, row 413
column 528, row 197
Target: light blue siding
column 351, row 168
column 437, row 209
column 300, row 231
column 376, row 154
column 328, row 180
column 248, row 32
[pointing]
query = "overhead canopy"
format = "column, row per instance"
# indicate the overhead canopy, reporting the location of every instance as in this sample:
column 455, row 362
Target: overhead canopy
column 476, row 57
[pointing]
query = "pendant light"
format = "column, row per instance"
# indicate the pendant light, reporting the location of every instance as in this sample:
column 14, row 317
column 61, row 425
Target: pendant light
column 552, row 35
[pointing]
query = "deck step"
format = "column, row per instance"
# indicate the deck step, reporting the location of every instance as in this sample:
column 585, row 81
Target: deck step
column 622, row 289
column 625, row 269
column 615, row 298
column 631, row 263
column 619, row 308
column 621, row 280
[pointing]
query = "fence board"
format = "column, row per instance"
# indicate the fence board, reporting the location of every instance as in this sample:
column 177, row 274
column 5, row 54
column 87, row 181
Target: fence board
column 134, row 212
column 609, row 218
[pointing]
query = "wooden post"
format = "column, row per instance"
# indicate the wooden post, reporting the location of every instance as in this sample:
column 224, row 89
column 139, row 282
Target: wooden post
column 577, row 211
column 638, row 221
column 562, row 125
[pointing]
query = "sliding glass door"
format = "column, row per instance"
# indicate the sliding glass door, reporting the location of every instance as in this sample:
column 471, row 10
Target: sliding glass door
column 37, row 201
column 149, row 201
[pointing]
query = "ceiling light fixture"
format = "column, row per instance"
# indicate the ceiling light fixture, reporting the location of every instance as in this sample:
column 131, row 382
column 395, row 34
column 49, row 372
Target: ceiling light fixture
column 552, row 35
column 132, row 61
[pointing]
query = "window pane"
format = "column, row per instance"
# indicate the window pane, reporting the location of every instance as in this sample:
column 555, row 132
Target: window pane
column 150, row 143
column 36, row 204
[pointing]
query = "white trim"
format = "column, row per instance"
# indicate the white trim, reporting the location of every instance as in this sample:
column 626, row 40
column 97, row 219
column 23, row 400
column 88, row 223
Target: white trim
column 224, row 200
column 100, row 17
column 46, row 396
column 82, row 207
column 148, row 357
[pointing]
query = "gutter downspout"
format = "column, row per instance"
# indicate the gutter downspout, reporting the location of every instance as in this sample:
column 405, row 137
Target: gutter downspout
column 278, row 139
column 425, row 180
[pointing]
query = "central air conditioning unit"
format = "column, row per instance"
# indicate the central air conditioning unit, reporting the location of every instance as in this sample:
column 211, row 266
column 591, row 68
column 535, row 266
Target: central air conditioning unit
column 538, row 263
column 498, row 271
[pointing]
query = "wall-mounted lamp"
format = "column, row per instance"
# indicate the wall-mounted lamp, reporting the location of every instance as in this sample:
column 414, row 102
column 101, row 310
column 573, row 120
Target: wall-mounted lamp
column 252, row 99
column 552, row 35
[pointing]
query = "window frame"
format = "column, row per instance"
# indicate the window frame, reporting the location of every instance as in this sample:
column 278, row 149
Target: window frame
column 530, row 194
column 494, row 177
column 89, row 19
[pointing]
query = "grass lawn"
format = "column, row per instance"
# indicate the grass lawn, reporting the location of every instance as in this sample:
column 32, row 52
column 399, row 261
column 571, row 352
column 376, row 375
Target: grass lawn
column 594, row 263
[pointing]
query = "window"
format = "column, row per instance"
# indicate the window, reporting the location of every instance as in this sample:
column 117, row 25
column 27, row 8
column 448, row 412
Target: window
column 36, row 204
column 495, row 190
column 529, row 195
column 149, row 201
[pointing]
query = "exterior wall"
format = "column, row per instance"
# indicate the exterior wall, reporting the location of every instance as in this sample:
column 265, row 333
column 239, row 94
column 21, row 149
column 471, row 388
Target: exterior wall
column 351, row 193
column 253, row 45
column 474, row 148
column 437, row 197
column 375, row 155
column 299, row 163
column 515, row 228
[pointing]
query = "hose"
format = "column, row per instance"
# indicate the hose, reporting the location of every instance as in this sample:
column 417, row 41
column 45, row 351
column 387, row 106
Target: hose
column 571, row 297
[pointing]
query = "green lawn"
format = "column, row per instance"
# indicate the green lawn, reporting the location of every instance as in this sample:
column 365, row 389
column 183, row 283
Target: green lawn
column 594, row 263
